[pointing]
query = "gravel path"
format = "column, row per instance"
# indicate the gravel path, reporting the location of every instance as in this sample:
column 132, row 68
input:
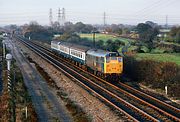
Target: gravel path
column 45, row 101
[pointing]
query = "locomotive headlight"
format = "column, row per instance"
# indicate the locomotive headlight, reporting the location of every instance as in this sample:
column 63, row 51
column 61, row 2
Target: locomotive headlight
column 120, row 59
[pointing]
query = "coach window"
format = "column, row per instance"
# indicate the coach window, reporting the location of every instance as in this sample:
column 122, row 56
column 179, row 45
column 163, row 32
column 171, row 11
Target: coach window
column 96, row 59
column 102, row 59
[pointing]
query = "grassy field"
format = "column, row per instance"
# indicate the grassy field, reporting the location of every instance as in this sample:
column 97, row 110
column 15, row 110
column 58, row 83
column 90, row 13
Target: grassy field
column 105, row 37
column 171, row 57
column 174, row 57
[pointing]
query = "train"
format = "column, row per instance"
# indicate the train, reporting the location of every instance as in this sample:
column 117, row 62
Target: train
column 105, row 64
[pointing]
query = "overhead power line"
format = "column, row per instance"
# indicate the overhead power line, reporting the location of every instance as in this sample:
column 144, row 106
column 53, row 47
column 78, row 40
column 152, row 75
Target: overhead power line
column 148, row 7
column 154, row 8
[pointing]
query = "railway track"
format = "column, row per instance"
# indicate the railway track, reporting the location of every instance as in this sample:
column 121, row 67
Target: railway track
column 127, row 93
column 169, row 110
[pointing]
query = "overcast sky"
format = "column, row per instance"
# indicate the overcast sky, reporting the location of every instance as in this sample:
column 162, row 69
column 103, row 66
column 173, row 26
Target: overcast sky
column 90, row 11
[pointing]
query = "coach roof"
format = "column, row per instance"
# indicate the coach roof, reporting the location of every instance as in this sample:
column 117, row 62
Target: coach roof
column 66, row 44
column 56, row 42
column 80, row 47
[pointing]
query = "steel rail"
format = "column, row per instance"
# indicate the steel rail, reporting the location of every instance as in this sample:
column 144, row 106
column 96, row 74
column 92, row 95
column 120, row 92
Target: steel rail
column 148, row 117
column 135, row 97
column 176, row 110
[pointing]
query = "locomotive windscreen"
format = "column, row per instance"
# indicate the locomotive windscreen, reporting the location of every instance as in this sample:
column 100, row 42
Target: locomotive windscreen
column 112, row 56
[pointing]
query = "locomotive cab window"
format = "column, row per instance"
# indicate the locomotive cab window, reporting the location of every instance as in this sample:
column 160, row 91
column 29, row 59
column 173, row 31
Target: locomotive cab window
column 113, row 56
column 120, row 59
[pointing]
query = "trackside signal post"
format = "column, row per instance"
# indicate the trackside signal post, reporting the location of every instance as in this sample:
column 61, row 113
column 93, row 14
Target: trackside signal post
column 11, row 90
column 8, row 59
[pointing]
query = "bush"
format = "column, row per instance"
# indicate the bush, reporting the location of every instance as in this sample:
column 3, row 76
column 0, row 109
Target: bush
column 153, row 73
column 143, row 49
column 133, row 43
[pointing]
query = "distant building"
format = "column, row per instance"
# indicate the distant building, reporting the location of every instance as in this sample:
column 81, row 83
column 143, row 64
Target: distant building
column 134, row 34
column 56, row 36
column 163, row 33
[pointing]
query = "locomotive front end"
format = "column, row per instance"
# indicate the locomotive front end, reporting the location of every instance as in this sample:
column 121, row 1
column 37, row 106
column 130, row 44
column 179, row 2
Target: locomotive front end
column 113, row 64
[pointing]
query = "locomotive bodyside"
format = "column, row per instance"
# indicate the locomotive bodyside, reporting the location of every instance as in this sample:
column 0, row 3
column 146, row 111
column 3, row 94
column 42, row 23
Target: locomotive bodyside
column 95, row 59
column 104, row 61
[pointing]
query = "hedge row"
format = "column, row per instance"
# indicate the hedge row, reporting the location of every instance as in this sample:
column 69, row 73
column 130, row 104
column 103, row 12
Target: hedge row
column 173, row 47
column 156, row 74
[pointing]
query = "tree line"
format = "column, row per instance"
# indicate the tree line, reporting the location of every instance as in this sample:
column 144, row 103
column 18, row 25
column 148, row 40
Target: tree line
column 147, row 33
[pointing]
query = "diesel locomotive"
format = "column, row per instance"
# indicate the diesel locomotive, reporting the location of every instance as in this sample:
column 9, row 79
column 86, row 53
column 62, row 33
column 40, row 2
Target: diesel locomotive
column 108, row 65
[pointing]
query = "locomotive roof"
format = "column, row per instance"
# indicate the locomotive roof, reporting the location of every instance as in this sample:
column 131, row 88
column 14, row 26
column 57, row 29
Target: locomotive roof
column 98, row 52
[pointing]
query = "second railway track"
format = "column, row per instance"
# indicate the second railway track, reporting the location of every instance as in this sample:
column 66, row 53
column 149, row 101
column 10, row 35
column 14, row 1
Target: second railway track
column 146, row 111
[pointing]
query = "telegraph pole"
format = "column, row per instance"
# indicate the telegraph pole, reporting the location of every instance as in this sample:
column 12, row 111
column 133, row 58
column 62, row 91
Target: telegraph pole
column 50, row 17
column 94, row 38
column 59, row 16
column 166, row 21
column 104, row 19
column 63, row 16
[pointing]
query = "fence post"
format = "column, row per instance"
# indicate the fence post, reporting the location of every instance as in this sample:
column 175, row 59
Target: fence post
column 166, row 90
